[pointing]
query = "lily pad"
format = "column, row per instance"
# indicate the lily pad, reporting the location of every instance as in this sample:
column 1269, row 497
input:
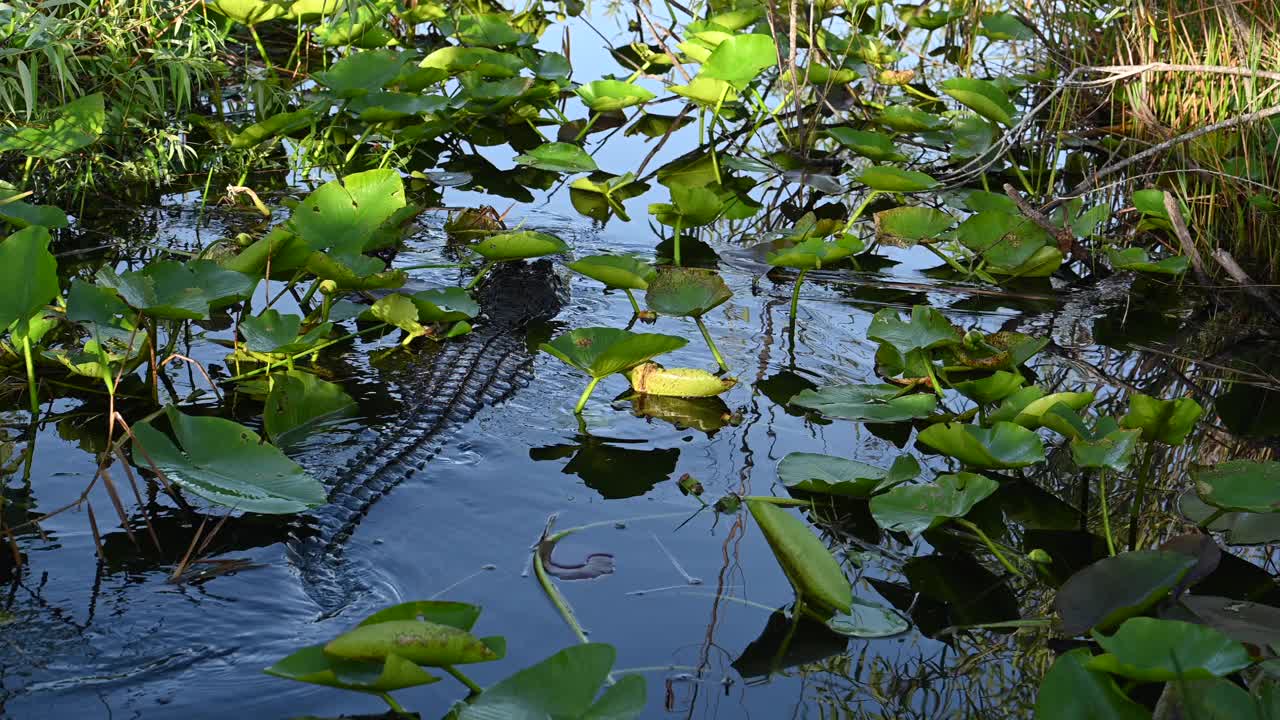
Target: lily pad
column 913, row 509
column 562, row 686
column 612, row 95
column 299, row 403
column 740, row 58
column 868, row 621
column 687, row 292
column 927, row 329
column 887, row 178
column 311, row 665
column 908, row 225
column 179, row 291
column 616, row 271
column 1241, row 485
column 1151, row 650
column 983, row 97
column 874, row 146
column 226, row 463
column 814, row 253
column 905, row 118
column 558, row 157
column 1003, row 445
column 867, row 403
column 1028, row 406
column 74, row 126
column 28, row 274
column 1114, row 589
column 1138, row 260
column 344, row 214
column 274, row 332
column 1072, row 691
column 831, row 475
column 419, row 641
column 519, row 246
column 816, row 576
column 992, row 388
column 602, row 351
column 1168, row 421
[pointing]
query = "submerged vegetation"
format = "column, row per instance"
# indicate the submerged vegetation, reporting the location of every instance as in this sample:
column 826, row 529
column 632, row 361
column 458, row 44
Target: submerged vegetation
column 984, row 143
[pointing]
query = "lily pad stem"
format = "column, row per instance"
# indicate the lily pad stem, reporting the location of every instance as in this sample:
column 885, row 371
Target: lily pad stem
column 268, row 368
column 1106, row 516
column 711, row 344
column 635, row 306
column 679, row 222
column 1205, row 523
column 31, row 376
column 990, row 545
column 933, row 377
column 582, row 399
column 391, row 702
column 261, row 50
column 471, row 685
column 553, row 593
column 858, row 213
column 483, row 271
column 795, row 295
column 590, row 121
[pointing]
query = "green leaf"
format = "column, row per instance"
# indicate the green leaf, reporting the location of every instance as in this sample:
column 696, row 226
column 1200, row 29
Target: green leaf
column 1071, row 691
column 612, row 95
column 907, row 225
column 886, row 178
column 419, row 641
column 1151, row 650
column 992, row 388
column 179, row 291
column 1240, row 485
column 616, row 271
column 813, row 253
column 1168, row 421
column 1028, row 406
column 23, row 214
column 689, row 207
column 226, row 463
column 1240, row 528
column 904, row 118
column 398, row 310
column 249, row 12
column 273, row 332
column 1225, row 700
column 76, row 125
column 562, row 686
column 311, row 665
column 913, row 509
column 868, row 620
column 706, row 91
column 487, row 29
column 830, row 475
column 28, row 275
column 1113, row 449
column 982, row 97
column 277, row 125
column 874, row 146
column 445, row 305
column 344, row 214
column 458, row 615
column 927, row 329
column 1003, row 445
column 602, row 351
column 362, row 72
column 1005, row 240
column 816, row 576
column 687, row 292
column 484, row 62
column 1005, row 26
column 740, row 58
column 558, row 157
column 867, row 403
column 1137, row 260
column 1114, row 589
column 299, row 403
column 519, row 246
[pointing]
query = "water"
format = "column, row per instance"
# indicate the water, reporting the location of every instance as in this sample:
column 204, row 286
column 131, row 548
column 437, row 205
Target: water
column 115, row 639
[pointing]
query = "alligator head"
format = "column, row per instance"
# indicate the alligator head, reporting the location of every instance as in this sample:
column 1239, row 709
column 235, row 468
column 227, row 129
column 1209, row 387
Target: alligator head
column 516, row 294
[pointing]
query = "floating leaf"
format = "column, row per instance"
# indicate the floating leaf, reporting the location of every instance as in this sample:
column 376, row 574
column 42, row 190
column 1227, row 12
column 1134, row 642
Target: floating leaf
column 1151, row 650
column 886, row 178
column 913, row 509
column 867, row 403
column 562, row 686
column 273, row 332
column 868, row 621
column 807, row 563
column 927, row 329
column 1114, row 589
column 299, row 403
column 653, row 379
column 905, row 118
column 706, row 91
column 907, row 225
column 1071, row 691
column 444, row 305
column 814, row 253
column 874, row 146
column 311, row 665
column 1241, row 485
column 740, row 58
column 1137, row 259
column 1028, row 406
column 558, row 157
column 1240, row 528
column 687, row 292
column 519, row 246
column 1168, row 421
column 226, row 463
column 344, row 214
column 830, row 475
column 616, row 271
column 982, row 97
column 422, row 642
column 612, row 95
column 1003, row 445
column 362, row 72
column 179, row 291
column 992, row 388
column 602, row 351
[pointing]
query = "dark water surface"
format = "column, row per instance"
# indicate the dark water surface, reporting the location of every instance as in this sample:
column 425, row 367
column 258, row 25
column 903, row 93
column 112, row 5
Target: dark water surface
column 92, row 639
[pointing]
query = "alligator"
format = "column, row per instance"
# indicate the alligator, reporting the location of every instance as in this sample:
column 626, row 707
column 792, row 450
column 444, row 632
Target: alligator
column 470, row 373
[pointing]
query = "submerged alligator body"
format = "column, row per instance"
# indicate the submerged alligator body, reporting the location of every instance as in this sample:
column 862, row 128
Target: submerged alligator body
column 468, row 374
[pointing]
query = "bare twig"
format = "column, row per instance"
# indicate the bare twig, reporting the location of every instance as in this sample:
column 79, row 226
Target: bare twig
column 1184, row 237
column 1238, row 274
column 1066, row 239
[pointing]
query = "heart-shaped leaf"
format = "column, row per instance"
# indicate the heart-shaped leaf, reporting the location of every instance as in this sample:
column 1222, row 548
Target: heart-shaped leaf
column 1114, row 589
column 602, row 351
column 1003, row 445
column 686, row 292
column 867, row 403
column 874, row 146
column 519, row 246
column 344, row 214
column 913, row 509
column 1241, row 485
column 299, row 403
column 887, row 178
column 1151, row 650
column 558, row 157
column 1071, row 691
column 927, row 329
column 740, row 58
column 830, row 475
column 983, row 97
column 616, row 271
column 562, row 686
column 612, row 95
column 1168, row 421
column 908, row 225
column 28, row 274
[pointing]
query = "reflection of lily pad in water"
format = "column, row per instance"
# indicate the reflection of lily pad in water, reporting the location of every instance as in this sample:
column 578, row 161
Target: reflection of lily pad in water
column 812, row 641
column 614, row 472
column 707, row 415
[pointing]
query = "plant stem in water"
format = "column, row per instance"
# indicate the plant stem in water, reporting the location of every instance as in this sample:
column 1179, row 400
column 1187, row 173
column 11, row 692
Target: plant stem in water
column 1140, row 497
column 711, row 344
column 391, row 702
column 990, row 545
column 635, row 306
column 1106, row 518
column 31, row 376
column 677, row 239
column 795, row 296
column 474, row 688
column 483, row 271
column 582, row 399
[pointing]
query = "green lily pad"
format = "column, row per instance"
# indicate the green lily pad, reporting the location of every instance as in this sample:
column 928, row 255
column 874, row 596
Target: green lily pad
column 616, row 271
column 1110, row 448
column 687, row 292
column 904, row 118
column 806, row 561
column 274, row 332
column 22, row 214
column 1137, row 259
column 1239, row 528
column 226, row 463
column 706, row 91
column 311, row 665
column 1071, row 691
column 279, row 124
column 612, row 95
column 179, row 291
column 887, row 178
column 740, row 58
column 867, row 403
column 1240, row 486
column 992, row 388
column 344, row 214
column 1028, row 406
column 602, row 351
column 398, row 310
column 558, row 157
column 1151, row 650
column 983, row 97
column 484, row 62
column 483, row 29
column 689, row 207
column 913, row 509
column 249, row 12
column 300, row 403
column 1003, row 445
column 519, row 246
column 874, row 146
column 927, row 329
column 1114, row 589
column 908, row 225
column 444, row 305
column 831, row 475
column 562, row 686
column 28, row 274
column 419, row 641
column 1168, row 421
column 361, row 73
column 814, row 253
